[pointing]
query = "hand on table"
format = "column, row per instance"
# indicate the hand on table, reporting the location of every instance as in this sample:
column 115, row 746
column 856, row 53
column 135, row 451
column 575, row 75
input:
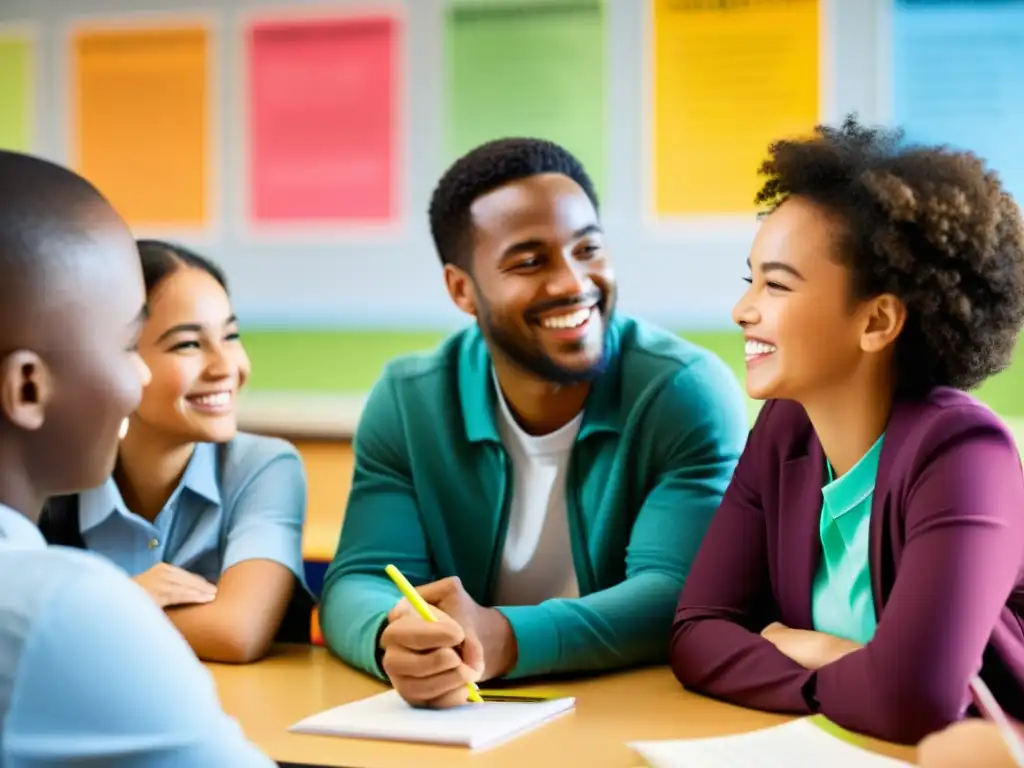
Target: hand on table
column 809, row 649
column 169, row 585
column 969, row 742
column 430, row 663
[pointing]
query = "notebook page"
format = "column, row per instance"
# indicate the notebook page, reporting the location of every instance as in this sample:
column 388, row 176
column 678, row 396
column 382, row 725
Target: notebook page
column 387, row 717
column 795, row 743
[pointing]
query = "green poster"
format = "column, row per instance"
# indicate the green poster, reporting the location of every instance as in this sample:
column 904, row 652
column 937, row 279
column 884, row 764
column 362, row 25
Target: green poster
column 15, row 93
column 528, row 68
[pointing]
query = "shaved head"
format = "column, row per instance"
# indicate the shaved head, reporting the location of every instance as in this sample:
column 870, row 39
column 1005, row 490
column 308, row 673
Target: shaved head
column 48, row 215
column 71, row 300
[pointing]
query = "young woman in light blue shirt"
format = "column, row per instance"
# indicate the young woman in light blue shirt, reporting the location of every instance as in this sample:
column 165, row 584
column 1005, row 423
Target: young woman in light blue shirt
column 207, row 519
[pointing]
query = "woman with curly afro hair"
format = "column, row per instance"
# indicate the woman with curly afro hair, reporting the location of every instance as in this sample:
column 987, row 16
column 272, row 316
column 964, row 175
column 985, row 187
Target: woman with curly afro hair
column 867, row 558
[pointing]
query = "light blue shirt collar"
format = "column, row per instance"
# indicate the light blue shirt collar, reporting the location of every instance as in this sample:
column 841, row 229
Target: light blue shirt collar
column 200, row 478
column 16, row 530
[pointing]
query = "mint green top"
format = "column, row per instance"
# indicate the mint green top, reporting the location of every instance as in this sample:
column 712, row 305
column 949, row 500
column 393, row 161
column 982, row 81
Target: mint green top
column 841, row 600
column 663, row 428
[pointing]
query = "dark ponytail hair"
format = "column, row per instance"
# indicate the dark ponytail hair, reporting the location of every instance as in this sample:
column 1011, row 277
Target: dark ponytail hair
column 161, row 259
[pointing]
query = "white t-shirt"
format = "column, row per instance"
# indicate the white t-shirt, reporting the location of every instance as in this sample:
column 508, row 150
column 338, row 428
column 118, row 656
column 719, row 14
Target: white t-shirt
column 536, row 564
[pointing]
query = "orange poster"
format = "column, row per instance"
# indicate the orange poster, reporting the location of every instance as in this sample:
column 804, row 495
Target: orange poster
column 729, row 77
column 141, row 111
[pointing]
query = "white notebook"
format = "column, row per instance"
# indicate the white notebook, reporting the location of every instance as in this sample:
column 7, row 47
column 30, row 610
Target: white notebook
column 797, row 743
column 477, row 726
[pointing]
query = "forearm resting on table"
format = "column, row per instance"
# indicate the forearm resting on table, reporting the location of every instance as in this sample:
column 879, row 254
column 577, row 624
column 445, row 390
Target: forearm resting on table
column 618, row 627
column 239, row 625
column 353, row 612
column 215, row 635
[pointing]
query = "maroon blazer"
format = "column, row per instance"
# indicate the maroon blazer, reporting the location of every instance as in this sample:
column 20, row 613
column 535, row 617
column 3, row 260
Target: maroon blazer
column 946, row 552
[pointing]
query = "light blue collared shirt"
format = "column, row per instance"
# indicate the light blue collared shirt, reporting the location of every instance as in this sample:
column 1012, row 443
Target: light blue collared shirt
column 78, row 682
column 244, row 500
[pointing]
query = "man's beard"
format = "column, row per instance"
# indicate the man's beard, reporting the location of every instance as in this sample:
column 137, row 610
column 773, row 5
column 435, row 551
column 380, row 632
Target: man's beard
column 534, row 360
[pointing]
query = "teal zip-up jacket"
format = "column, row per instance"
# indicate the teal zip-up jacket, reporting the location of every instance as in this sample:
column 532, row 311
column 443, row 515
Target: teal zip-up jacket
column 662, row 430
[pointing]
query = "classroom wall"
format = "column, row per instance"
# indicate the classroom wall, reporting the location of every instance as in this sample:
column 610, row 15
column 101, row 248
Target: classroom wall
column 683, row 280
column 324, row 312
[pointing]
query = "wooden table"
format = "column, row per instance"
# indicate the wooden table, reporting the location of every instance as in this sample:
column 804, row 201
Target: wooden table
column 298, row 681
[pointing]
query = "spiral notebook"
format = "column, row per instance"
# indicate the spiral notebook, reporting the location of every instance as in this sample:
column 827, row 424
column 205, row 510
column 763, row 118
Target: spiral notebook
column 797, row 743
column 387, row 717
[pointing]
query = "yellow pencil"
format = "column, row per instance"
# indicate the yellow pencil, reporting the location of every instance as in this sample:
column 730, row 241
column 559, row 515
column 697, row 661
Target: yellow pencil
column 420, row 606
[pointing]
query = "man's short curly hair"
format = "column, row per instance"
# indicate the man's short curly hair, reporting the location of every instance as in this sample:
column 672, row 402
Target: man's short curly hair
column 930, row 225
column 483, row 170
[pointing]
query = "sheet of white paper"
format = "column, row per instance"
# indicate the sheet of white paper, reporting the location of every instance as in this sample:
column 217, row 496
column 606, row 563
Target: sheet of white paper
column 387, row 717
column 797, row 743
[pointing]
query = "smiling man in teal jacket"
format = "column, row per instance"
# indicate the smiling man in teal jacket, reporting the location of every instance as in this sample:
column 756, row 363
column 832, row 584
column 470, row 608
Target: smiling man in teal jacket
column 546, row 476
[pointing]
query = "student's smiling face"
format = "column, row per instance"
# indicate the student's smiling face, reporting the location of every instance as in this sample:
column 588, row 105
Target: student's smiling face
column 191, row 344
column 804, row 331
column 541, row 285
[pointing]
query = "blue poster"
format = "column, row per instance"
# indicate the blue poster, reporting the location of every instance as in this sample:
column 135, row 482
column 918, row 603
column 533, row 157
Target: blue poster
column 958, row 71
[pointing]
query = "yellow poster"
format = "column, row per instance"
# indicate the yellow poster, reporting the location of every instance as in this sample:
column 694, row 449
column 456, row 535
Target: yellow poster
column 729, row 77
column 141, row 114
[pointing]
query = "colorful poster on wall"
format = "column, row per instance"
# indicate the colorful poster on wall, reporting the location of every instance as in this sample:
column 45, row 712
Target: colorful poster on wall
column 141, row 115
column 728, row 78
column 16, row 86
column 958, row 78
column 323, row 115
column 528, row 69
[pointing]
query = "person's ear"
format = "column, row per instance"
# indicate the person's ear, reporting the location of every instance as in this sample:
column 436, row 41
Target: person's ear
column 26, row 389
column 461, row 288
column 885, row 317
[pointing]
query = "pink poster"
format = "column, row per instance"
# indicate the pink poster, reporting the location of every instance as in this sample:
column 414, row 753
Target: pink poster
column 323, row 120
